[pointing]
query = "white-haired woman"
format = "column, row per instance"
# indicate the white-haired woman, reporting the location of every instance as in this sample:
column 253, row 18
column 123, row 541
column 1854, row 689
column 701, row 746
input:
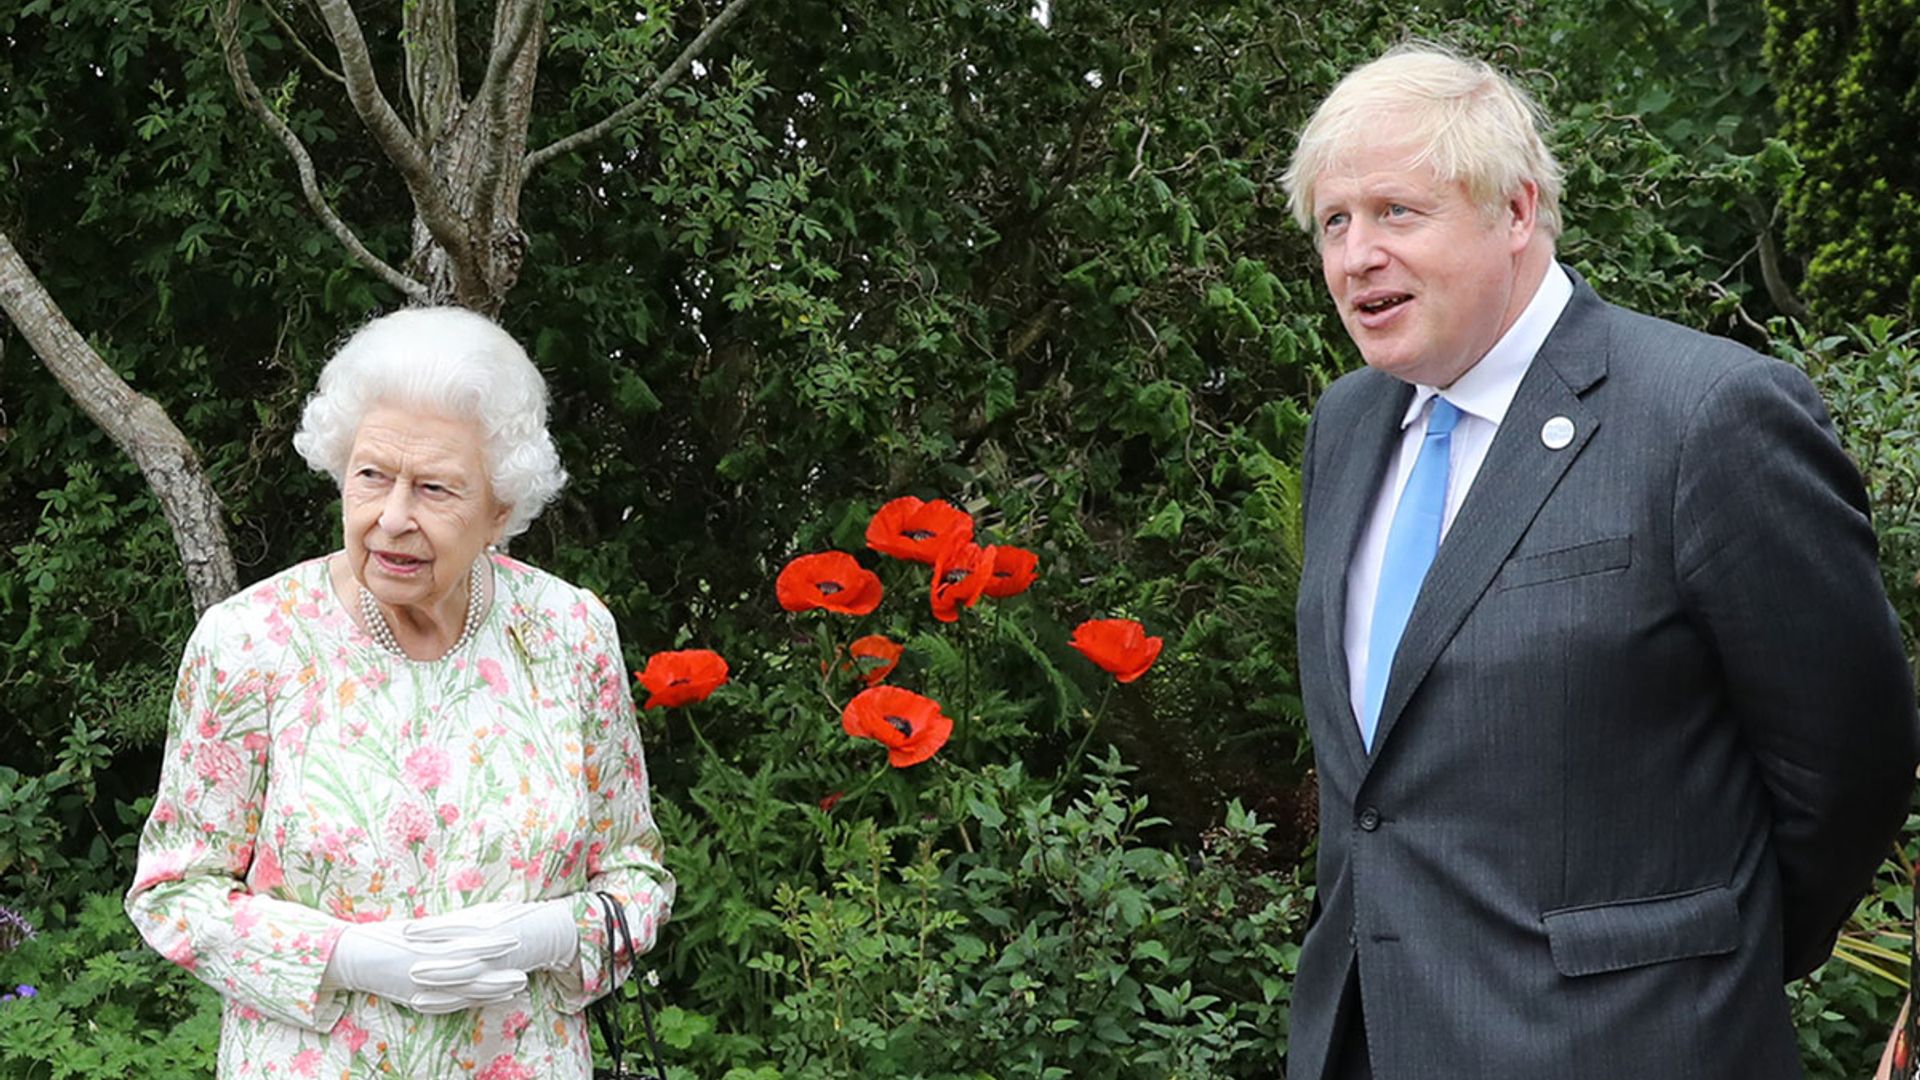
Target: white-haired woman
column 403, row 791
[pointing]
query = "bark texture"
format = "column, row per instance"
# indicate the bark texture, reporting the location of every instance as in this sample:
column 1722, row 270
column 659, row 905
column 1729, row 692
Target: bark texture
column 464, row 159
column 137, row 424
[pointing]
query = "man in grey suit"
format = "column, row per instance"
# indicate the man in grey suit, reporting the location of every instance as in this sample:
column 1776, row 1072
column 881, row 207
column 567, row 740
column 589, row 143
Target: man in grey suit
column 1610, row 713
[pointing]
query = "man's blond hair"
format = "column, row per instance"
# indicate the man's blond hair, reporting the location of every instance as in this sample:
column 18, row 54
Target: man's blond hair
column 1467, row 121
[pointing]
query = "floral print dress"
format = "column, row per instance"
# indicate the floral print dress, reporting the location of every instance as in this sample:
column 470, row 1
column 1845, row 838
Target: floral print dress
column 312, row 780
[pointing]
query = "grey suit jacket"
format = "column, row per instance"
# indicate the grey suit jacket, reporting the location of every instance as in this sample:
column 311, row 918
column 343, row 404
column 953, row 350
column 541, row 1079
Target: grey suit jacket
column 1649, row 731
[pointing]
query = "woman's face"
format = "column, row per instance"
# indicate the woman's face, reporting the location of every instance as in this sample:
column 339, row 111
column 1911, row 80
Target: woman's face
column 418, row 506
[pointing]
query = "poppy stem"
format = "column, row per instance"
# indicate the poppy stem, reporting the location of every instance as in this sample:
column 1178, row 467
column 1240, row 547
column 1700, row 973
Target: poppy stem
column 866, row 785
column 700, row 737
column 1093, row 725
column 968, row 703
column 956, row 798
column 830, row 653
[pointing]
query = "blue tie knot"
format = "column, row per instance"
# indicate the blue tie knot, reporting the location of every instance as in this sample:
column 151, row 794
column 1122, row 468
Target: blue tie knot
column 1445, row 415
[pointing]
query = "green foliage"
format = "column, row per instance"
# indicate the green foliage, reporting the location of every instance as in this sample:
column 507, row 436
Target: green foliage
column 1049, row 940
column 1869, row 376
column 50, row 827
column 875, row 247
column 177, row 243
column 107, row 1006
column 1848, row 80
column 1845, row 1010
column 932, row 247
column 1665, row 131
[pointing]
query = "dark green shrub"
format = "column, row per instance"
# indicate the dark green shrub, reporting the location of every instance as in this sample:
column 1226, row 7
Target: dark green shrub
column 1005, row 929
column 106, row 1005
column 1847, row 76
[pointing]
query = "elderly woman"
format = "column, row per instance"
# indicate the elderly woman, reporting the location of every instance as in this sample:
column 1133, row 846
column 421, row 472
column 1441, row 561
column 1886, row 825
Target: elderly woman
column 403, row 783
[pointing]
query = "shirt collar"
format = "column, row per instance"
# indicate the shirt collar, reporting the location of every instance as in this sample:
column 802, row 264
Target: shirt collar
column 1488, row 387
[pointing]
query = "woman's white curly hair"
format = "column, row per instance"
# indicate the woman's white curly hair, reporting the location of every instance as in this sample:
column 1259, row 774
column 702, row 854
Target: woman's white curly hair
column 452, row 362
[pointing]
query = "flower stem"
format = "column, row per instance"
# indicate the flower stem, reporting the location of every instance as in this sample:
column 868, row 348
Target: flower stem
column 968, row 704
column 866, row 785
column 1080, row 751
column 700, row 737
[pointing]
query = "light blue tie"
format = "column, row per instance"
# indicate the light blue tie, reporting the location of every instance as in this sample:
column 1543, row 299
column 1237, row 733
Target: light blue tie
column 1411, row 543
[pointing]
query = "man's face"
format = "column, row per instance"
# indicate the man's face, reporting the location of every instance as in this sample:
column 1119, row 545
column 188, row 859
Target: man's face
column 1425, row 280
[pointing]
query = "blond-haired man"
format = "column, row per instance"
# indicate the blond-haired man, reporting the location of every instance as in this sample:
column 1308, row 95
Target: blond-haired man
column 1610, row 714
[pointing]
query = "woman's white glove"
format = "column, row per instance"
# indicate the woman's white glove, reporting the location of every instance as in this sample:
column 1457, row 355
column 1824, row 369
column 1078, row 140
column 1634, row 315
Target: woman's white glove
column 544, row 934
column 426, row 976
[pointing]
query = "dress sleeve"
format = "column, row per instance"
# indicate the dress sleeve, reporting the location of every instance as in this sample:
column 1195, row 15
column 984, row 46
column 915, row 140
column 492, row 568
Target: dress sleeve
column 624, row 857
column 201, row 893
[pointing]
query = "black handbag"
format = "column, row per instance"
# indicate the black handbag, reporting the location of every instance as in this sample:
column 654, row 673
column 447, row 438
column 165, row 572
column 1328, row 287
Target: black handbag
column 606, row 1010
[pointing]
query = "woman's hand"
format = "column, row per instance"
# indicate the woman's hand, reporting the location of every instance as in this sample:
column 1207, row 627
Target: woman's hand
column 544, row 934
column 426, row 976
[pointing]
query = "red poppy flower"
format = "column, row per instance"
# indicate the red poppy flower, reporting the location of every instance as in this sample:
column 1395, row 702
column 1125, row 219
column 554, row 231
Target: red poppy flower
column 833, row 580
column 959, row 577
column 681, row 678
column 910, row 726
column 827, row 804
column 907, row 528
column 1120, row 646
column 1013, row 570
column 874, row 657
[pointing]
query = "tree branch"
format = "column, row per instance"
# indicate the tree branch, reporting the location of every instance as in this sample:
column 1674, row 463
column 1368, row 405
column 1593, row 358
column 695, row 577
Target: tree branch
column 390, row 132
column 666, row 79
column 1781, row 293
column 510, row 36
column 298, row 42
column 250, row 95
column 137, row 424
column 514, row 27
column 433, row 67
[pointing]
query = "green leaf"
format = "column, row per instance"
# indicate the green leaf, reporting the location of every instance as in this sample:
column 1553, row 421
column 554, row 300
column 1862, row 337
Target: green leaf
column 1165, row 524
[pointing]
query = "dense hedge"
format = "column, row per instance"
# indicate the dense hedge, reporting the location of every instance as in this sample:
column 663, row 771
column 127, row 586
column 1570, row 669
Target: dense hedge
column 879, row 247
column 1848, row 79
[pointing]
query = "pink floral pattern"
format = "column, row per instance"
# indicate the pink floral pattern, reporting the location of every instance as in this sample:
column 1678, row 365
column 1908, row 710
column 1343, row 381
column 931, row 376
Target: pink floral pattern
column 311, row 780
column 427, row 767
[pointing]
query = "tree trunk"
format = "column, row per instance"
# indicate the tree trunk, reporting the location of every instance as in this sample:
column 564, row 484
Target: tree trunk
column 476, row 149
column 136, row 424
column 467, row 157
column 464, row 161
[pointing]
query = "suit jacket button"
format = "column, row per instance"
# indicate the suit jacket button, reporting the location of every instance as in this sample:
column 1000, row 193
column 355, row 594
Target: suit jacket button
column 1369, row 819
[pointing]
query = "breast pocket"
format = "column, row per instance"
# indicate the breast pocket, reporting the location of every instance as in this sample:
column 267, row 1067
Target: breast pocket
column 1579, row 560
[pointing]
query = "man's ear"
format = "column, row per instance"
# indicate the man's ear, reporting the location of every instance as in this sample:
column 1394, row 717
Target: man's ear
column 1521, row 215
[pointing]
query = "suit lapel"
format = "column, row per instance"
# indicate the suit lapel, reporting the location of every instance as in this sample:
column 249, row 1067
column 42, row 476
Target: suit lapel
column 1519, row 473
column 1359, row 464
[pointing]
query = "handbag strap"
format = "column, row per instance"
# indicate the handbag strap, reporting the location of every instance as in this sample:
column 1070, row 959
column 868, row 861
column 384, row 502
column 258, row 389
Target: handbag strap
column 620, row 939
column 603, row 1009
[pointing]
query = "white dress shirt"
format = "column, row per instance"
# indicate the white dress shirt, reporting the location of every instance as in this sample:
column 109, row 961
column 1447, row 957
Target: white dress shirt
column 1482, row 395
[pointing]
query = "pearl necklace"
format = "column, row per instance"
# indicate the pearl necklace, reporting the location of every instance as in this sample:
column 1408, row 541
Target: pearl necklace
column 382, row 633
